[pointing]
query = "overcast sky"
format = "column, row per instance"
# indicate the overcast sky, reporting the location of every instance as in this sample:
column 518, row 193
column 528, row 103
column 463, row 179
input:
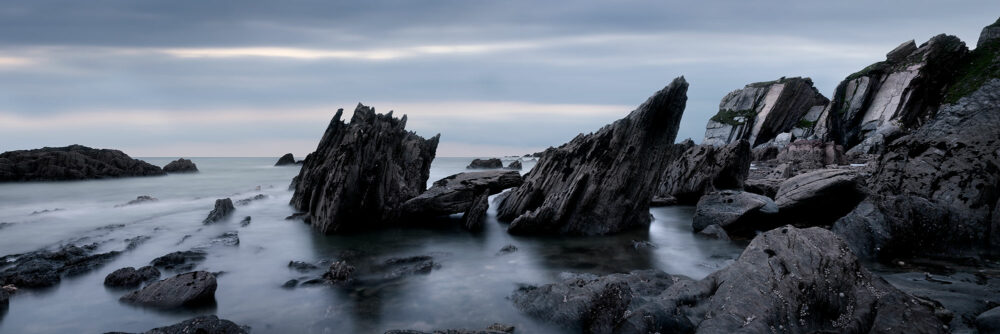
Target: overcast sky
column 251, row 78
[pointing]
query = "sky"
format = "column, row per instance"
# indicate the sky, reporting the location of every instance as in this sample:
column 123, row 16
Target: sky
column 262, row 78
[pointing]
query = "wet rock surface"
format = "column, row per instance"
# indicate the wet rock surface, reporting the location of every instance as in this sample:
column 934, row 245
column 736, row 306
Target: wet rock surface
column 702, row 169
column 188, row 289
column 223, row 208
column 180, row 260
column 73, row 162
column 473, row 218
column 457, row 193
column 130, row 277
column 491, row 163
column 45, row 268
column 206, row 324
column 599, row 183
column 737, row 212
column 362, row 172
column 819, row 197
column 180, row 166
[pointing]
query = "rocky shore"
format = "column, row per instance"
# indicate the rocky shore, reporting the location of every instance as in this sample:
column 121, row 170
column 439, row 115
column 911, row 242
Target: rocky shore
column 73, row 162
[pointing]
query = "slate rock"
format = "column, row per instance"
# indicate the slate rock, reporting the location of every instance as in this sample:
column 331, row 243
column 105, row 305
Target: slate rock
column 702, row 169
column 457, row 193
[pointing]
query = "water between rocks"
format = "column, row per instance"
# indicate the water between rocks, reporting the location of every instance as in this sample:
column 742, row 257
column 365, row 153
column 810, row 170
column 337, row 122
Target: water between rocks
column 468, row 290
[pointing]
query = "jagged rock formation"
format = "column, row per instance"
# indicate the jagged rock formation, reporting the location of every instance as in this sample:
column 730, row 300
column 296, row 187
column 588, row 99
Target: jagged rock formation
column 286, row 160
column 788, row 279
column 180, row 166
column 903, row 91
column 223, row 208
column 473, row 217
column 188, row 289
column 602, row 182
column 457, row 193
column 990, row 34
column 206, row 324
column 737, row 212
column 362, row 172
column 43, row 268
column 702, row 169
column 73, row 162
column 492, row 163
column 760, row 111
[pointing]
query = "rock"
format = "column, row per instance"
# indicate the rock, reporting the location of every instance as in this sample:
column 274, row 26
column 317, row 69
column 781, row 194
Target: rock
column 903, row 91
column 245, row 222
column 41, row 269
column 188, row 289
column 290, row 284
column 766, row 187
column 4, row 299
column 990, row 34
column 138, row 200
column 223, row 208
column 286, row 160
column 491, row 163
column 407, row 266
column 819, row 197
column 794, row 280
column 938, row 186
column 643, row 244
column 703, row 169
column 501, row 328
column 989, row 321
column 864, row 230
column 507, row 250
column 246, row 201
column 302, row 266
column 901, row 52
column 180, row 166
column 714, row 231
column 760, row 111
column 362, row 172
column 231, row 238
column 73, row 162
column 206, row 324
column 515, row 165
column 737, row 212
column 130, row 277
column 180, row 260
column 457, row 193
column 662, row 201
column 811, row 154
column 340, row 272
column 492, row 329
column 473, row 218
column 600, row 183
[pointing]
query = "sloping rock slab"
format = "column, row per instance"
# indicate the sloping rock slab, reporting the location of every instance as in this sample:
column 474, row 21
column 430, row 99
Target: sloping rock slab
column 705, row 168
column 600, row 183
column 738, row 212
column 456, row 193
column 188, row 289
column 819, row 197
column 362, row 172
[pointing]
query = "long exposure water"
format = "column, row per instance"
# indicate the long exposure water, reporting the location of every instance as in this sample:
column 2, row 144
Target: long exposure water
column 468, row 290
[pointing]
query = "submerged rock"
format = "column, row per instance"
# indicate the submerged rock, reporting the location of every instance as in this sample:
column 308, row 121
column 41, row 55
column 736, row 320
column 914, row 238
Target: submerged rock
column 129, row 276
column 138, row 200
column 206, row 324
column 702, row 169
column 180, row 260
column 73, row 162
column 248, row 200
column 231, row 238
column 45, row 268
column 223, row 208
column 760, row 111
column 188, row 289
column 737, row 212
column 457, row 193
column 180, row 166
column 286, row 160
column 491, row 163
column 819, row 197
column 362, row 172
column 600, row 183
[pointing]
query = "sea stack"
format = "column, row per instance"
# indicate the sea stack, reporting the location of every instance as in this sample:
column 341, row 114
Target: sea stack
column 180, row 166
column 600, row 183
column 362, row 172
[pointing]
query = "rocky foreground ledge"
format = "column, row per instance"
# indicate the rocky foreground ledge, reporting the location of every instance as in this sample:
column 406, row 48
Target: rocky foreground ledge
column 74, row 162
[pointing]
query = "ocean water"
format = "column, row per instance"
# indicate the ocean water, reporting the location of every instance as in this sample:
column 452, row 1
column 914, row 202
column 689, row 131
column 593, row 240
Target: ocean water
column 468, row 290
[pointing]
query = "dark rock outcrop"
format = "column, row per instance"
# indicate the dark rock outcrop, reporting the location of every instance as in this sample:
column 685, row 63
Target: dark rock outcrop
column 180, row 166
column 760, row 111
column 362, row 172
column 819, row 197
column 206, row 324
column 989, row 35
column 223, row 208
column 45, row 268
column 138, row 200
column 188, row 289
column 248, row 200
column 129, row 276
column 766, row 187
column 286, row 160
column 474, row 216
column 515, row 165
column 491, row 163
column 4, row 300
column 600, row 183
column 803, row 155
column 715, row 232
column 457, row 193
column 791, row 280
column 180, row 260
column 989, row 321
column 702, row 169
column 73, row 162
column 737, row 212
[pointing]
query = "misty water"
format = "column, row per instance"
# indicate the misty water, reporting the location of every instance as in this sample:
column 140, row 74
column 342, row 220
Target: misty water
column 468, row 290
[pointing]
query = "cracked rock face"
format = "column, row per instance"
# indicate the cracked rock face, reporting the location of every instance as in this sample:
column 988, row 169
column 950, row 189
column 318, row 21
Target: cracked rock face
column 602, row 182
column 701, row 169
column 760, row 111
column 362, row 172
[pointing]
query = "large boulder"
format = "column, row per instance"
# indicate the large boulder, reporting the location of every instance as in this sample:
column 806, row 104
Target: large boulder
column 702, row 169
column 787, row 280
column 206, row 324
column 760, row 111
column 180, row 166
column 188, row 289
column 491, row 163
column 456, row 193
column 362, row 172
column 737, row 212
column 819, row 197
column 223, row 208
column 286, row 160
column 903, row 91
column 73, row 162
column 602, row 182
